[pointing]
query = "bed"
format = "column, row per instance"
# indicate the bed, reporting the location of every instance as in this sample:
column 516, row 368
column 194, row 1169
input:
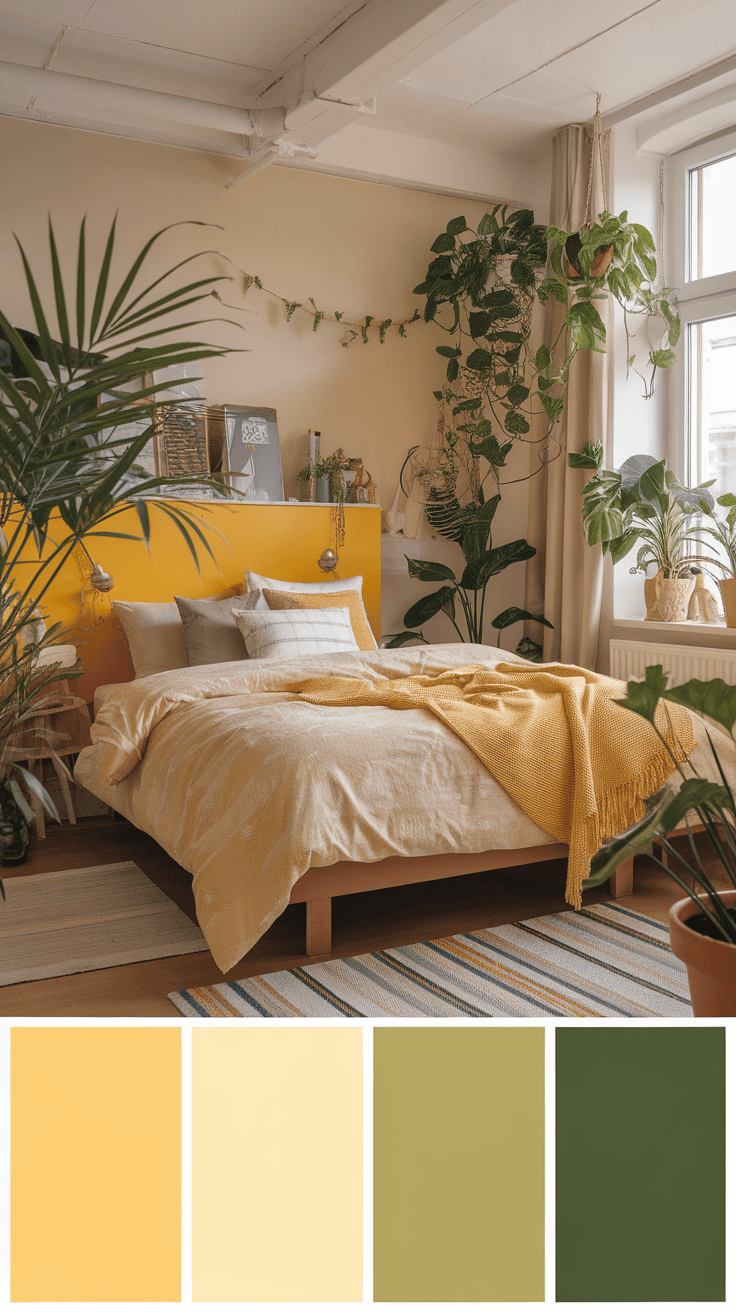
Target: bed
column 268, row 800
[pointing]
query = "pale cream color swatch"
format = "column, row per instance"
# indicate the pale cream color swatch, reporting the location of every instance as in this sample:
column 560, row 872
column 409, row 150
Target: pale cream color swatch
column 95, row 1139
column 277, row 1164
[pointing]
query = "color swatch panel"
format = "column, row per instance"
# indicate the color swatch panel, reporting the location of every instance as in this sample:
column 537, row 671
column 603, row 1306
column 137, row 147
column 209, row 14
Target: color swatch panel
column 641, row 1164
column 95, row 1164
column 277, row 1164
column 458, row 1164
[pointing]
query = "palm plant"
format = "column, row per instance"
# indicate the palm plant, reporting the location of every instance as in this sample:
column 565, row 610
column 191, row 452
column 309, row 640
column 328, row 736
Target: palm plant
column 76, row 411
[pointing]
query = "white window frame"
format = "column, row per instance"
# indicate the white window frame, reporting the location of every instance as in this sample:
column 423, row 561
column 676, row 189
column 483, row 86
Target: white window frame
column 699, row 299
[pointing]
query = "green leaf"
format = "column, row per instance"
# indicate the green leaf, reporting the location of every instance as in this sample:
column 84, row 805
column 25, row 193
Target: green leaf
column 542, row 359
column 479, row 360
column 445, row 242
column 451, row 352
column 695, row 793
column 424, row 609
column 591, row 457
column 637, row 838
column 428, row 570
column 514, row 615
column 453, row 369
column 713, row 698
column 663, row 359
column 491, row 448
column 475, row 537
column 516, row 423
column 477, row 574
column 643, row 697
column 517, row 394
column 456, row 226
column 398, row 639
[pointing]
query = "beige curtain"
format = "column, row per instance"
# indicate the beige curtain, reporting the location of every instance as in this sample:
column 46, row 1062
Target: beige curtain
column 564, row 579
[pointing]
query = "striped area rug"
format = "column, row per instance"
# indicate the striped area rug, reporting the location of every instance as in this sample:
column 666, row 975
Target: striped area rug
column 602, row 961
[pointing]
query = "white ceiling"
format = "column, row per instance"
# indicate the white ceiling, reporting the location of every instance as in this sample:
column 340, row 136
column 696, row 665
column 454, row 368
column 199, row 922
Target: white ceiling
column 486, row 75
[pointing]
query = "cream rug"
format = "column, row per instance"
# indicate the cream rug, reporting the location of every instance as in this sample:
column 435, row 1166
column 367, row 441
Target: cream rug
column 76, row 920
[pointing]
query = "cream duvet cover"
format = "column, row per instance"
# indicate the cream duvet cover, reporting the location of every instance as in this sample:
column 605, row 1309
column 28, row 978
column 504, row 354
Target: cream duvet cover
column 247, row 786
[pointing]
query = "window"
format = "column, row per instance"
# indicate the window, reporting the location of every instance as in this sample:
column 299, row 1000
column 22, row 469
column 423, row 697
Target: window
column 703, row 238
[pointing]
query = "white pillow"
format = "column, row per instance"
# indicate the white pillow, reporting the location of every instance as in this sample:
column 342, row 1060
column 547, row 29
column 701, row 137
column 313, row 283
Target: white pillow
column 253, row 581
column 279, row 634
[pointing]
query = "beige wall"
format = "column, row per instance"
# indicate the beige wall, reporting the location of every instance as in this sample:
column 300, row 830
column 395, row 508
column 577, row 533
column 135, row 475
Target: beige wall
column 354, row 246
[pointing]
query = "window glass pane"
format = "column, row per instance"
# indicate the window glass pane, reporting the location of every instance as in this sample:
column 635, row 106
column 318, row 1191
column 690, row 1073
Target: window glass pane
column 713, row 231
column 713, row 402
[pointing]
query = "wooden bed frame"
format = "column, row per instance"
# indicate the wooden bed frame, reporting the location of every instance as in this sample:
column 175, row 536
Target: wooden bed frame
column 318, row 886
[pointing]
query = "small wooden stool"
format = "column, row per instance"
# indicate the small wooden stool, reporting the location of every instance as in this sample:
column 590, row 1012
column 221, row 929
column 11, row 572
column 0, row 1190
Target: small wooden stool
column 59, row 712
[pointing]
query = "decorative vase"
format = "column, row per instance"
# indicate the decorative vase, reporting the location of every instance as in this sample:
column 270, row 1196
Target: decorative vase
column 323, row 489
column 650, row 597
column 13, row 830
column 710, row 962
column 728, row 596
column 673, row 598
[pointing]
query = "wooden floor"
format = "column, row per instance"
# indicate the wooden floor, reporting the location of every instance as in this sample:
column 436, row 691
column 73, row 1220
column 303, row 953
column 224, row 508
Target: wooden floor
column 388, row 918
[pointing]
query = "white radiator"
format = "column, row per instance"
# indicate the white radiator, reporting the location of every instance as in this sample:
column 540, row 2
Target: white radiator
column 630, row 659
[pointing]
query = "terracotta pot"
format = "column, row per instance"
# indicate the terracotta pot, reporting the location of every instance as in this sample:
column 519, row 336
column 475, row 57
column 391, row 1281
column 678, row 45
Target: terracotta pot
column 728, row 596
column 673, row 598
column 711, row 964
column 601, row 259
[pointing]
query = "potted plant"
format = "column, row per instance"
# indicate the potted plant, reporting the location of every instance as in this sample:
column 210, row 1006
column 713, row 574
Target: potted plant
column 703, row 924
column 644, row 502
column 465, row 598
column 70, row 434
column 724, row 534
column 616, row 256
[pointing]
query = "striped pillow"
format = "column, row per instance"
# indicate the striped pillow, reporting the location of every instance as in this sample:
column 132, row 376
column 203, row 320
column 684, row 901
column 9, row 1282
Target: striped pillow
column 278, row 600
column 280, row 634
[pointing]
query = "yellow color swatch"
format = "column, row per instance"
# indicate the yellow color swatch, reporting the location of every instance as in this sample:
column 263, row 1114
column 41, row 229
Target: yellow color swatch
column 277, row 1164
column 95, row 1143
column 458, row 1186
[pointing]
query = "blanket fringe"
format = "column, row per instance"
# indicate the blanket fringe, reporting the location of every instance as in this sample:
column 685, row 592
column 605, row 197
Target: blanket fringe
column 618, row 808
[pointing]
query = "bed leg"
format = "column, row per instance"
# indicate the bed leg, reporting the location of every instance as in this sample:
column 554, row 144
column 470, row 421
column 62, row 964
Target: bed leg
column 319, row 926
column 622, row 880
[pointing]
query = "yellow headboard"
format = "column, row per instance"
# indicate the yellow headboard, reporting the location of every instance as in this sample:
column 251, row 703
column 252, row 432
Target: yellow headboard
column 282, row 541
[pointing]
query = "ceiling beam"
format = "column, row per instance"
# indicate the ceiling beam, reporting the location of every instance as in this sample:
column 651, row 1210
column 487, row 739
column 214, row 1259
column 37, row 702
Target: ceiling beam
column 368, row 52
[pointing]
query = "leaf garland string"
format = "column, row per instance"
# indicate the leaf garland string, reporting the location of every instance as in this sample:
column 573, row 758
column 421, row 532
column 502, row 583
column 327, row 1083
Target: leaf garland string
column 357, row 330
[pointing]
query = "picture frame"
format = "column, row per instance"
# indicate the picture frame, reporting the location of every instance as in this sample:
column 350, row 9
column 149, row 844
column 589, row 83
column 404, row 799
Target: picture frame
column 251, row 454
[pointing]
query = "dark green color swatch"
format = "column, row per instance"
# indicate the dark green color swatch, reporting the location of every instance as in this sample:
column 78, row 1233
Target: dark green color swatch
column 641, row 1164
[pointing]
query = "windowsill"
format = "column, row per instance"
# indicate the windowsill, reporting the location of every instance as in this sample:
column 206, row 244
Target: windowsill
column 688, row 626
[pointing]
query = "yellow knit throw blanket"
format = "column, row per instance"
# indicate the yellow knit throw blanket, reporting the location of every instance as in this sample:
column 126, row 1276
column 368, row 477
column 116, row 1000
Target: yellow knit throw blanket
column 552, row 736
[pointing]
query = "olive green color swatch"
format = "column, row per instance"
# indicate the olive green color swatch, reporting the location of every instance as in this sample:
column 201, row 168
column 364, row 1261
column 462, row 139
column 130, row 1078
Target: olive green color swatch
column 458, row 1164
column 641, row 1164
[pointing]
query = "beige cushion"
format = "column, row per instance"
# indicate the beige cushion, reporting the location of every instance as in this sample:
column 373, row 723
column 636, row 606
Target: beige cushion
column 253, row 581
column 155, row 634
column 210, row 631
column 318, row 601
column 280, row 634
